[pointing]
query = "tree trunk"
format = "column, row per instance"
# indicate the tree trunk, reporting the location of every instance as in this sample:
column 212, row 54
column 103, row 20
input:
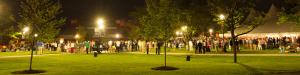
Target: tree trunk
column 165, row 54
column 234, row 50
column 233, row 45
column 147, row 47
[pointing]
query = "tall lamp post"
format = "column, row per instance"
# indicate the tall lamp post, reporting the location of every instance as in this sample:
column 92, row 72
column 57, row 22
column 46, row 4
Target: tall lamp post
column 25, row 30
column 211, row 35
column 184, row 29
column 210, row 31
column 117, row 36
column 222, row 18
column 100, row 25
column 77, row 36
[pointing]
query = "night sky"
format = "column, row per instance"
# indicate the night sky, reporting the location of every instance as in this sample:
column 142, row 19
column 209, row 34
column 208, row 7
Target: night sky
column 85, row 12
column 88, row 10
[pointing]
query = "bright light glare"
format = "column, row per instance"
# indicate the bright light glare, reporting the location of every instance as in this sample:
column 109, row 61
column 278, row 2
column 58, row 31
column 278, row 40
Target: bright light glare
column 210, row 30
column 177, row 32
column 35, row 35
column 117, row 35
column 61, row 40
column 184, row 28
column 222, row 17
column 26, row 29
column 77, row 36
column 100, row 23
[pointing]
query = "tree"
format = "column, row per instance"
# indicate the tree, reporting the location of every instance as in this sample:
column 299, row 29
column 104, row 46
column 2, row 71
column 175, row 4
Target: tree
column 290, row 12
column 84, row 33
column 159, row 21
column 42, row 16
column 132, row 29
column 7, row 22
column 196, row 16
column 240, row 14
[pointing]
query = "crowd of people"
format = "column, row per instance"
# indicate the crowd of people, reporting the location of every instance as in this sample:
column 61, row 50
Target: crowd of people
column 207, row 44
column 279, row 43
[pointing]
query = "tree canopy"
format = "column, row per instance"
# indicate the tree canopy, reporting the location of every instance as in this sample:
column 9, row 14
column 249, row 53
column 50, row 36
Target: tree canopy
column 7, row 22
column 42, row 16
column 290, row 12
column 159, row 21
column 239, row 14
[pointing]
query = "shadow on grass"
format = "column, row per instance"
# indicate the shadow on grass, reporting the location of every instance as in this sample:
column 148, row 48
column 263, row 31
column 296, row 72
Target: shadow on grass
column 272, row 72
column 286, row 73
column 29, row 72
column 251, row 69
column 165, row 68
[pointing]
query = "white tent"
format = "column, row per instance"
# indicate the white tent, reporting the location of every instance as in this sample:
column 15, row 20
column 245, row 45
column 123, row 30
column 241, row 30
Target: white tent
column 271, row 28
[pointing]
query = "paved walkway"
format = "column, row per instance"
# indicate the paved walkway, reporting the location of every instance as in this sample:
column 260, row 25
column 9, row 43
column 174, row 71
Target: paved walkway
column 172, row 54
column 221, row 54
column 26, row 56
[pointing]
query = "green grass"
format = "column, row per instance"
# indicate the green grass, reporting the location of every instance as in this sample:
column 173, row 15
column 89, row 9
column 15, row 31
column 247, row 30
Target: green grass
column 128, row 64
column 242, row 51
column 24, row 53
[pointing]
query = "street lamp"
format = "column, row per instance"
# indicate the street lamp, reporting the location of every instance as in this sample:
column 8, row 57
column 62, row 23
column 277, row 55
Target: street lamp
column 100, row 23
column 25, row 30
column 184, row 28
column 35, row 35
column 77, row 36
column 117, row 36
column 177, row 33
column 210, row 31
column 222, row 18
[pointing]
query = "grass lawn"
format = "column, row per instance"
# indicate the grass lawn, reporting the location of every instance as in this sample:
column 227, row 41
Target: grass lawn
column 24, row 53
column 242, row 51
column 129, row 64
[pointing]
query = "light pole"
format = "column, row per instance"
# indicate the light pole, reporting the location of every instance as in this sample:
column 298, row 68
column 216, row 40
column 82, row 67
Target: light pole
column 184, row 28
column 177, row 33
column 185, row 36
column 100, row 25
column 222, row 18
column 210, row 31
column 77, row 36
column 211, row 35
column 117, row 36
column 25, row 30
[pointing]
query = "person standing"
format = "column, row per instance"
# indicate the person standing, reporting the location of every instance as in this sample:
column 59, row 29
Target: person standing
column 147, row 47
column 282, row 46
column 159, row 44
column 87, row 46
column 118, row 45
column 199, row 47
column 204, row 46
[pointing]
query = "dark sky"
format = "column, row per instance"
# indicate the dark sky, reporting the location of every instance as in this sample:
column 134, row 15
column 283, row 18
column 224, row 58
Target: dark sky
column 85, row 12
column 88, row 10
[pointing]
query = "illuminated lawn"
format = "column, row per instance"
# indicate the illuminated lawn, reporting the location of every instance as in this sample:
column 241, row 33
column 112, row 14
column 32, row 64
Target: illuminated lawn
column 127, row 64
column 2, row 54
